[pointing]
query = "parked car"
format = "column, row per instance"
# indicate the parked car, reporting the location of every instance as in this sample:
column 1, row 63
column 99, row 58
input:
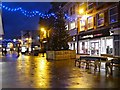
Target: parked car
column 23, row 50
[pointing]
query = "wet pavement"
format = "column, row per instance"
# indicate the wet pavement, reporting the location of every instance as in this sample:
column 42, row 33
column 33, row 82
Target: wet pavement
column 37, row 72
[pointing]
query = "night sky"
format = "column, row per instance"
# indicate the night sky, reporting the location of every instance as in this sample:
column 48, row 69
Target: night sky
column 14, row 22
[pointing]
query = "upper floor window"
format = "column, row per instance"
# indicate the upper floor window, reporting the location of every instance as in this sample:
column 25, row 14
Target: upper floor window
column 113, row 14
column 100, row 19
column 66, row 12
column 72, row 25
column 72, row 10
column 90, row 6
column 90, row 22
column 66, row 27
column 99, row 3
column 82, row 25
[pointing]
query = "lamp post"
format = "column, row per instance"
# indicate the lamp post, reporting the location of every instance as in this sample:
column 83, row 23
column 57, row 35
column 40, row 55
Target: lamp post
column 81, row 15
column 80, row 12
column 43, row 35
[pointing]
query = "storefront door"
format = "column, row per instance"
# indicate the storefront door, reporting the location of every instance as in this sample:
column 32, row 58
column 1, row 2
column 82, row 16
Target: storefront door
column 94, row 48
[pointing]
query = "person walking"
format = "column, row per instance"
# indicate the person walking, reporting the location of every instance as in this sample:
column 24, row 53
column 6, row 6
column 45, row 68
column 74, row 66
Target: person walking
column 18, row 51
column 43, row 51
column 5, row 52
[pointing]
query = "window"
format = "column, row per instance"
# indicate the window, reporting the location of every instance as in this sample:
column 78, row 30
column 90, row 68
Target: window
column 72, row 25
column 82, row 25
column 84, row 47
column 90, row 22
column 99, row 3
column 73, row 9
column 90, row 6
column 66, row 12
column 100, row 19
column 113, row 14
column 66, row 27
column 109, row 45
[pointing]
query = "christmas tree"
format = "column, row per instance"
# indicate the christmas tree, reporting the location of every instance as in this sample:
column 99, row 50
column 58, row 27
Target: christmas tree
column 59, row 37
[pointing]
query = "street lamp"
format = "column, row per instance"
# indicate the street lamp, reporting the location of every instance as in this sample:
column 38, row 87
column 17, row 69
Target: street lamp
column 81, row 11
column 45, row 35
column 44, row 32
column 42, row 29
column 81, row 16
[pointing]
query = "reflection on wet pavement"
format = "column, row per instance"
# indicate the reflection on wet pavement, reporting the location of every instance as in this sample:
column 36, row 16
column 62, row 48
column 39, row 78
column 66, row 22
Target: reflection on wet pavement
column 37, row 72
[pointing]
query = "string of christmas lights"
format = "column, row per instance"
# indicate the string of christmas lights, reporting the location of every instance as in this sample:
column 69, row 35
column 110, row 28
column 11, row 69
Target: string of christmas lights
column 32, row 13
column 28, row 13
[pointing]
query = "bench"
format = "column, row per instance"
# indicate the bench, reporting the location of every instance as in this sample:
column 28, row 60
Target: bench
column 90, row 59
column 114, row 62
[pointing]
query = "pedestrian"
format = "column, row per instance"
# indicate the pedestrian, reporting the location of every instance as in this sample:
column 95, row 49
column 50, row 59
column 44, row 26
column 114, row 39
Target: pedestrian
column 107, row 49
column 43, row 52
column 5, row 52
column 18, row 51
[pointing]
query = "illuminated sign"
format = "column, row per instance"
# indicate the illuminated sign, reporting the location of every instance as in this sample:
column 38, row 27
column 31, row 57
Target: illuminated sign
column 98, row 35
column 91, row 36
column 88, row 36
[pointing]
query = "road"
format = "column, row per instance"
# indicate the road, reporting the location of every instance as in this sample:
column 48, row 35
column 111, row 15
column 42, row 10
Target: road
column 37, row 72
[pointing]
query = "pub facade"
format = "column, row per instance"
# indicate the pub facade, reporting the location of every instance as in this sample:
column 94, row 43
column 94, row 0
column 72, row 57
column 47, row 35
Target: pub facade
column 97, row 29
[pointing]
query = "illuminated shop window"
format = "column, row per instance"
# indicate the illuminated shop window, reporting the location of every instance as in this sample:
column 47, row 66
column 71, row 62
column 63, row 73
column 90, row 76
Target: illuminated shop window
column 72, row 25
column 84, row 47
column 113, row 14
column 100, row 19
column 90, row 22
column 109, row 45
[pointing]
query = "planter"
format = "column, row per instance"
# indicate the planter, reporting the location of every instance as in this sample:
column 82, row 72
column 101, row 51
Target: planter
column 61, row 55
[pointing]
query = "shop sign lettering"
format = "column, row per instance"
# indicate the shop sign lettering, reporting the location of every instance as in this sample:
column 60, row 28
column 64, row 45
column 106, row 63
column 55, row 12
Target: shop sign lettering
column 88, row 36
column 98, row 35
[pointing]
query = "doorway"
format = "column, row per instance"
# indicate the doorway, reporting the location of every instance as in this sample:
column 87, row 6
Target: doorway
column 95, row 48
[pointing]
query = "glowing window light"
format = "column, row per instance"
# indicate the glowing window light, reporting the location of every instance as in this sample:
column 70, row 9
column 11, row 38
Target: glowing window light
column 72, row 25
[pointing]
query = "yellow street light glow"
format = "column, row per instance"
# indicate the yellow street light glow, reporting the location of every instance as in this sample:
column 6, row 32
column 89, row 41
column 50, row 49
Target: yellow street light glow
column 26, row 38
column 42, row 29
column 19, row 40
column 81, row 11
